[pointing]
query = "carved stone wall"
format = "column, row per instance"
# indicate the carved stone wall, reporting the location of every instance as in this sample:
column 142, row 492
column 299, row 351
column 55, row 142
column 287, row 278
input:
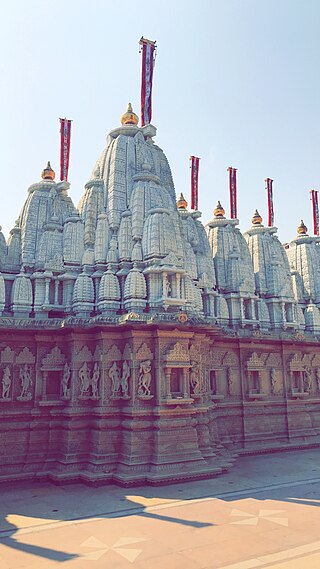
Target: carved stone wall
column 150, row 402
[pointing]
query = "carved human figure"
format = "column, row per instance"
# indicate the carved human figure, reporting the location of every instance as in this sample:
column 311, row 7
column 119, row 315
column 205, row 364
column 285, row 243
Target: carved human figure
column 273, row 380
column 25, row 378
column 6, row 383
column 124, row 379
column 318, row 378
column 144, row 379
column 167, row 286
column 195, row 378
column 115, row 379
column 229, row 381
column 95, row 380
column 65, row 380
column 84, row 377
column 307, row 379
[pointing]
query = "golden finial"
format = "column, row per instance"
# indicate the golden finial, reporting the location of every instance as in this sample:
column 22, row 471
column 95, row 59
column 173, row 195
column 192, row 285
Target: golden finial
column 302, row 229
column 182, row 203
column 218, row 211
column 256, row 219
column 129, row 117
column 48, row 173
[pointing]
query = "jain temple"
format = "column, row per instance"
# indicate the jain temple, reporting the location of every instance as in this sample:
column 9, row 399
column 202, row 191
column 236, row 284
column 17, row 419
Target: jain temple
column 137, row 345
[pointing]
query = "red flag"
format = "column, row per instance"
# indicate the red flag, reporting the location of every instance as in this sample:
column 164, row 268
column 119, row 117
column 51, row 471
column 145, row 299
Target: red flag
column 194, row 181
column 65, row 132
column 148, row 57
column 233, row 192
column 315, row 211
column 269, row 189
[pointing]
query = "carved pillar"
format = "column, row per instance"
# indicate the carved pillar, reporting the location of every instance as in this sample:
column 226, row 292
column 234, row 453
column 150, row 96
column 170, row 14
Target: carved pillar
column 44, row 385
column 164, row 284
column 185, row 386
column 249, row 380
column 178, row 285
column 46, row 296
column 258, row 386
column 301, row 386
column 56, row 291
column 167, row 373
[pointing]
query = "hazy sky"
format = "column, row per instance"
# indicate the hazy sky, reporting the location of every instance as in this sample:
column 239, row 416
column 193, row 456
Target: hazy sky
column 235, row 82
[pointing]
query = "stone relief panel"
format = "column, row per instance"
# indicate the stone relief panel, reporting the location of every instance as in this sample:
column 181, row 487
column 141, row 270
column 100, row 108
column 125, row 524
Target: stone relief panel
column 55, row 358
column 178, row 353
column 84, row 354
column 119, row 375
column 144, row 380
column 65, row 382
column 144, row 353
column 26, row 383
column 6, row 382
column 7, row 356
column 89, row 381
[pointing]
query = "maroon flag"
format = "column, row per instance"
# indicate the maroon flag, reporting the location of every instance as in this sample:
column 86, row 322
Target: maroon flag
column 65, row 132
column 194, row 181
column 148, row 57
column 269, row 189
column 315, row 211
column 233, row 192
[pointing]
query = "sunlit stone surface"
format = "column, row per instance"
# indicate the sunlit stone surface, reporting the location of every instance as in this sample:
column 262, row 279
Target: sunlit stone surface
column 137, row 345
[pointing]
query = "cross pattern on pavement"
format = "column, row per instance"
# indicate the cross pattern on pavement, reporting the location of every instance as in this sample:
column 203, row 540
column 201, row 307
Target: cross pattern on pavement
column 102, row 548
column 252, row 519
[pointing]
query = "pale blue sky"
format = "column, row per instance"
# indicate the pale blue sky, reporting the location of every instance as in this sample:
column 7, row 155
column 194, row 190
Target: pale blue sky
column 236, row 83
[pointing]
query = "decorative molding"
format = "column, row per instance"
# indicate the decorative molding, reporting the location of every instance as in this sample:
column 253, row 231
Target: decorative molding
column 25, row 357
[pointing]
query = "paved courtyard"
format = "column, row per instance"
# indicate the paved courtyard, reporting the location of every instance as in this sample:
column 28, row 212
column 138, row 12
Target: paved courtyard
column 263, row 513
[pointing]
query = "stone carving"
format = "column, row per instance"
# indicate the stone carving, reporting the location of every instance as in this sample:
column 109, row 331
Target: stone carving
column 178, row 353
column 95, row 381
column 256, row 361
column 229, row 381
column 26, row 383
column 53, row 358
column 318, row 379
column 84, row 377
column 65, row 382
column 144, row 352
column 230, row 359
column 7, row 355
column 114, row 353
column 25, row 357
column 307, row 379
column 273, row 360
column 84, row 355
column 114, row 375
column 144, row 379
column 195, row 378
column 125, row 379
column 273, row 380
column 6, row 383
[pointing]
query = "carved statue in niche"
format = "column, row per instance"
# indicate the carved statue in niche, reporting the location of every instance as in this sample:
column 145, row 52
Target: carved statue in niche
column 65, row 381
column 84, row 377
column 307, row 379
column 115, row 380
column 95, row 381
column 144, row 380
column 195, row 378
column 6, row 383
column 26, row 382
column 229, row 381
column 273, row 380
column 124, row 379
column 167, row 286
column 318, row 378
